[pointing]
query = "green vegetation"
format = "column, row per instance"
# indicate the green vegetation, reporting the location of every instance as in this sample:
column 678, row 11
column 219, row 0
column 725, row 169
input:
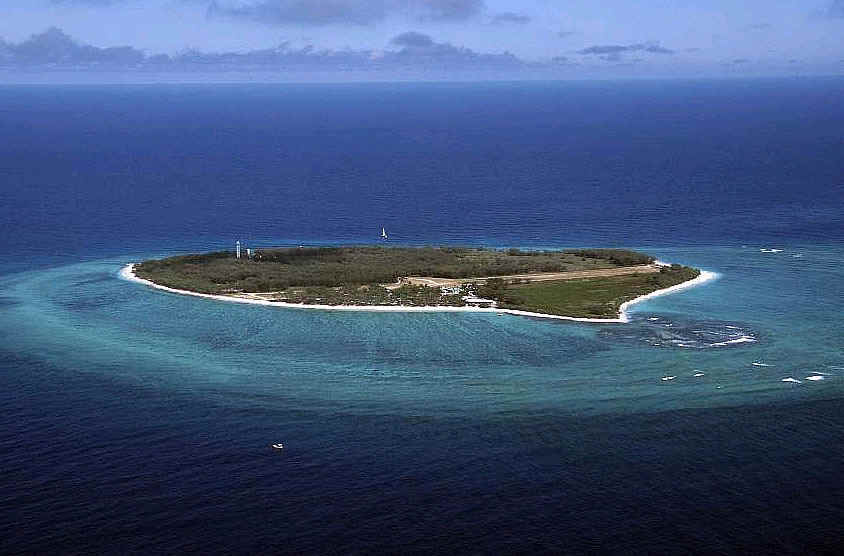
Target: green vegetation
column 279, row 269
column 588, row 297
column 618, row 257
column 414, row 296
column 358, row 275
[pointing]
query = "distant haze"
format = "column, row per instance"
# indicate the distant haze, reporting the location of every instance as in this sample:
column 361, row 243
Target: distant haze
column 425, row 38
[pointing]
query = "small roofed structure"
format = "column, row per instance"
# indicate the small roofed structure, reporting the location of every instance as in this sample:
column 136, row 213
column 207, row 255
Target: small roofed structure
column 474, row 301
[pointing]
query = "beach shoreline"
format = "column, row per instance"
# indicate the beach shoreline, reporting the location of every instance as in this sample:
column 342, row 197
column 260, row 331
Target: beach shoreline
column 128, row 273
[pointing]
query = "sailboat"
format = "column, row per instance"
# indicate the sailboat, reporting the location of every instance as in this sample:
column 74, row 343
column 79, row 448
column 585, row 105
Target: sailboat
column 383, row 233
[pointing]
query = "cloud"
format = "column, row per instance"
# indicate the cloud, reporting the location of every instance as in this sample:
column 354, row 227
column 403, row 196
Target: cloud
column 321, row 12
column 566, row 34
column 835, row 9
column 410, row 51
column 616, row 50
column 507, row 18
column 611, row 57
column 421, row 51
column 54, row 47
column 449, row 9
column 351, row 12
column 607, row 49
column 655, row 49
column 412, row 39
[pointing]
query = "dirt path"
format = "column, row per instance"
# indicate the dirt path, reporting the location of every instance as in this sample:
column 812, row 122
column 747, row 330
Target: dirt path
column 537, row 277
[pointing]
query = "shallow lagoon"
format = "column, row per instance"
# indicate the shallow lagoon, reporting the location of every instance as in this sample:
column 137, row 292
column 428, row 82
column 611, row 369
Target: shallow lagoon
column 454, row 362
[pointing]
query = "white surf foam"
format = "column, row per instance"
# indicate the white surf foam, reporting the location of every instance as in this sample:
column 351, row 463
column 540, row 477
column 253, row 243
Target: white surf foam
column 790, row 379
column 741, row 340
column 814, row 377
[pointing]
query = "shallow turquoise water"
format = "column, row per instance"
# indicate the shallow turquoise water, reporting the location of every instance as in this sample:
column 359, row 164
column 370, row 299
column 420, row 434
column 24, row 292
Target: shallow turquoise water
column 788, row 303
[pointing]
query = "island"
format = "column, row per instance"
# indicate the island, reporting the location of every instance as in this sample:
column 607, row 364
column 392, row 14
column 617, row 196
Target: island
column 578, row 284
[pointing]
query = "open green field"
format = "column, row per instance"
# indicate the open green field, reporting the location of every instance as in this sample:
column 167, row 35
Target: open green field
column 589, row 297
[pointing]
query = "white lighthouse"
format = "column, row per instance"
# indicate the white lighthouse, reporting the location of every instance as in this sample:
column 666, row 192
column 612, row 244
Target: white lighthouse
column 237, row 246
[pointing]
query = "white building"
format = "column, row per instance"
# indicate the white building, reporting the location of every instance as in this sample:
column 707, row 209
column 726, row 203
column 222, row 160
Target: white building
column 474, row 301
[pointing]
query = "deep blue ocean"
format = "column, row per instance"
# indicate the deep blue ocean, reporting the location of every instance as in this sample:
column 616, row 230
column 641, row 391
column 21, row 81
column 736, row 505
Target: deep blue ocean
column 138, row 421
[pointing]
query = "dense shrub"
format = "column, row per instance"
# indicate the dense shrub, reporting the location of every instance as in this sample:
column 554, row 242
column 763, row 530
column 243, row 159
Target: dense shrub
column 277, row 269
column 619, row 257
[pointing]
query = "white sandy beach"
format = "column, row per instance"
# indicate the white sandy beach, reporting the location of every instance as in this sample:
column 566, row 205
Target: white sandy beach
column 128, row 273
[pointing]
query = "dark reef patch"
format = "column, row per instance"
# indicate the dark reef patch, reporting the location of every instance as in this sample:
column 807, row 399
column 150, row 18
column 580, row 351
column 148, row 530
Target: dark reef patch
column 673, row 332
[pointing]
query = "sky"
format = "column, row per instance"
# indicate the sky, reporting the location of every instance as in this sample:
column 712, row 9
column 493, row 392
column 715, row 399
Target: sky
column 569, row 38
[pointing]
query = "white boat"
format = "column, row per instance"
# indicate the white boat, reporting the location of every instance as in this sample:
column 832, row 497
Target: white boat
column 383, row 233
column 278, row 446
column 669, row 377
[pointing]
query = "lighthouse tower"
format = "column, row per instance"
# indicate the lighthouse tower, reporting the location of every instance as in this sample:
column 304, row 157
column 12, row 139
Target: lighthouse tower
column 237, row 245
